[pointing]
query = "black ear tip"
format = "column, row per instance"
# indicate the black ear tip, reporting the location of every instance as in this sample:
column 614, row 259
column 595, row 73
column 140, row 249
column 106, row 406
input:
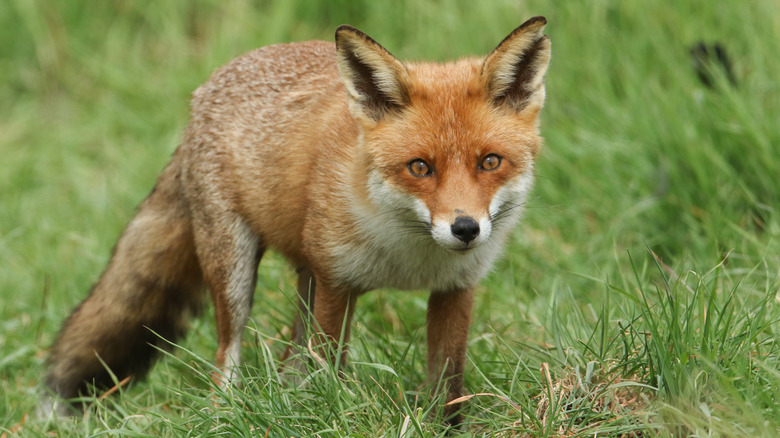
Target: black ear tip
column 345, row 29
column 540, row 19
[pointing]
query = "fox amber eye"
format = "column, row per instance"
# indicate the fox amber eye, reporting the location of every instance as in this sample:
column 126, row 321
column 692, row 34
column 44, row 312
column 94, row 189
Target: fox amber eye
column 490, row 162
column 419, row 167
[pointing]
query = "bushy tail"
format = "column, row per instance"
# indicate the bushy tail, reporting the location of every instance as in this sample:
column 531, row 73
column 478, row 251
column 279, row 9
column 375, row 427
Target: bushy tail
column 152, row 283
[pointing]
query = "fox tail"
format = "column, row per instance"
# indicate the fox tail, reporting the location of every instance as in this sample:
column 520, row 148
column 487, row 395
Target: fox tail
column 143, row 299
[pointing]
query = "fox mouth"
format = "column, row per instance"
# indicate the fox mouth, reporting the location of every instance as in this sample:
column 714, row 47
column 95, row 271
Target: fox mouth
column 459, row 247
column 464, row 249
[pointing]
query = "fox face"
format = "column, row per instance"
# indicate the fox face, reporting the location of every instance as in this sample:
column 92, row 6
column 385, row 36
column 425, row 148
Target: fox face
column 449, row 152
column 461, row 167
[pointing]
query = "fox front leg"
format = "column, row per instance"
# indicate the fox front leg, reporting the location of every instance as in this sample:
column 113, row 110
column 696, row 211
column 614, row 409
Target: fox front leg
column 449, row 316
column 333, row 309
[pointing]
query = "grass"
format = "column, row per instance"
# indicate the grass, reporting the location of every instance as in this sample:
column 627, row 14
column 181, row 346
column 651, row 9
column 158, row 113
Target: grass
column 638, row 297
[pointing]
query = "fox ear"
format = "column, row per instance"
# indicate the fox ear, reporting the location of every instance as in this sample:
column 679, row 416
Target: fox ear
column 376, row 81
column 513, row 73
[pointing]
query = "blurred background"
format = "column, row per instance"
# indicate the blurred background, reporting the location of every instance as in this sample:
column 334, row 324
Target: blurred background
column 661, row 128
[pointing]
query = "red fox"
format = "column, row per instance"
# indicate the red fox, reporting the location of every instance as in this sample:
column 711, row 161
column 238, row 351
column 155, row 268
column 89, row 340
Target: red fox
column 363, row 171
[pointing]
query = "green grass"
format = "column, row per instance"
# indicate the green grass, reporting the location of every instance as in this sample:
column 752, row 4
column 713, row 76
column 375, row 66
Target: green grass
column 637, row 298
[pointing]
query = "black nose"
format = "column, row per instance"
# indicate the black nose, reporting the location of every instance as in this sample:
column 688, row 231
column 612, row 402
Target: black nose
column 465, row 228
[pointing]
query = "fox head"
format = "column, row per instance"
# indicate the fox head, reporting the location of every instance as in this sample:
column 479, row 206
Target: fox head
column 451, row 145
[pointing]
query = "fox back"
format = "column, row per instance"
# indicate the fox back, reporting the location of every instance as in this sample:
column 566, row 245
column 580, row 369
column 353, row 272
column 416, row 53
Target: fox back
column 363, row 171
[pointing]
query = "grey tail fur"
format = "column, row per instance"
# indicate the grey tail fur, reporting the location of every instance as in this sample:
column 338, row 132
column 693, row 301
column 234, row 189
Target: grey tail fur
column 149, row 288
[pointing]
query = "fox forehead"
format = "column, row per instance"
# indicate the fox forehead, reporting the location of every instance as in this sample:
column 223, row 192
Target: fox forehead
column 444, row 80
column 450, row 119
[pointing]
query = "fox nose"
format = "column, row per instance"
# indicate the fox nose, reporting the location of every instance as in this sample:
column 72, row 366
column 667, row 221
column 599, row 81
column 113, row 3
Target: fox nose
column 465, row 228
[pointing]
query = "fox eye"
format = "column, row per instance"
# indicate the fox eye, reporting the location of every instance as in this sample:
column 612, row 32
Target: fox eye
column 419, row 167
column 490, row 162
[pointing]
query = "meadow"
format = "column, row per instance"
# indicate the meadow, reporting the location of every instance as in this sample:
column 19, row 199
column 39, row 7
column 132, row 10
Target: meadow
column 638, row 297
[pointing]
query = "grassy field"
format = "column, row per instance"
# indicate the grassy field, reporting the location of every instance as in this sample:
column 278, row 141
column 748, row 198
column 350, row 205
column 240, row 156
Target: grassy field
column 637, row 298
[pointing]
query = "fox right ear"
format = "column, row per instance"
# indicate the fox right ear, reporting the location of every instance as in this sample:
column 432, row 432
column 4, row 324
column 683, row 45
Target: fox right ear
column 513, row 73
column 375, row 79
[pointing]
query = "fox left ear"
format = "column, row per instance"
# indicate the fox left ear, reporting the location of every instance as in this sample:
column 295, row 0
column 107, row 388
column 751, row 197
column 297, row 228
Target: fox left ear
column 513, row 73
column 376, row 81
